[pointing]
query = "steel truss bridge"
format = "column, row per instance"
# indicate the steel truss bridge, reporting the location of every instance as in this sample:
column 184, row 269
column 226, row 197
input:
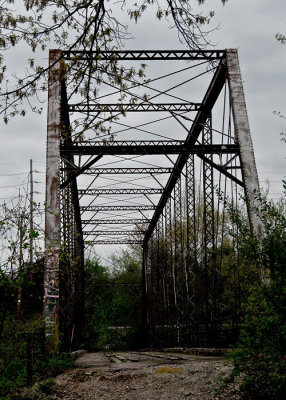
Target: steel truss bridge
column 150, row 163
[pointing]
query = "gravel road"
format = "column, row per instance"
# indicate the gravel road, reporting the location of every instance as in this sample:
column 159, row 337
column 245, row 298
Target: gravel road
column 140, row 376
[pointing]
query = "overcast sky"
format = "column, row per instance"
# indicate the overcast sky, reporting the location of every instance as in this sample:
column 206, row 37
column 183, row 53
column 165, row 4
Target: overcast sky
column 251, row 26
column 247, row 25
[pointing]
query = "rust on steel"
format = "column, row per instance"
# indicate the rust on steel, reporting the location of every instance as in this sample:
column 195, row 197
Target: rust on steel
column 52, row 219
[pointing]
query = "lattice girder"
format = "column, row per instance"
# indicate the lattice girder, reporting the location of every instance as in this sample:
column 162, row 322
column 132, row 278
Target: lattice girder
column 100, row 162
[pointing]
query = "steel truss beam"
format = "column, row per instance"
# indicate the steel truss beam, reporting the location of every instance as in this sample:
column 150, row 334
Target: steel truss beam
column 118, row 171
column 209, row 243
column 105, row 144
column 114, row 148
column 179, row 259
column 115, row 284
column 222, row 169
column 179, row 252
column 123, row 241
column 123, row 108
column 117, row 208
column 119, row 191
column 113, row 233
column 208, row 102
column 191, row 246
column 79, row 171
column 207, row 55
column 115, row 221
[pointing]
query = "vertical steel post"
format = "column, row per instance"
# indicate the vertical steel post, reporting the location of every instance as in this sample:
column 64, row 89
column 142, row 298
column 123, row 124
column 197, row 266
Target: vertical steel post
column 178, row 261
column 243, row 136
column 209, row 236
column 52, row 215
column 144, row 298
column 191, row 209
column 160, row 282
column 163, row 261
column 170, row 292
column 151, row 291
column 191, row 246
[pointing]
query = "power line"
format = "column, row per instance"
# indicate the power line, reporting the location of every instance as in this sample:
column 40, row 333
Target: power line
column 18, row 173
column 9, row 186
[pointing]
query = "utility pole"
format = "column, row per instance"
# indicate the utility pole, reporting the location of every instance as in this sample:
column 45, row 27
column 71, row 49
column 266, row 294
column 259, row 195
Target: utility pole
column 30, row 360
column 19, row 297
column 31, row 211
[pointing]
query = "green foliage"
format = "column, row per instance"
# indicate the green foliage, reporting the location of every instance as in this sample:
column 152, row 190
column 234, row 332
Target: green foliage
column 30, row 281
column 19, row 340
column 14, row 356
column 113, row 303
column 260, row 358
column 58, row 362
column 47, row 386
column 126, row 266
column 281, row 38
column 13, row 353
column 16, row 235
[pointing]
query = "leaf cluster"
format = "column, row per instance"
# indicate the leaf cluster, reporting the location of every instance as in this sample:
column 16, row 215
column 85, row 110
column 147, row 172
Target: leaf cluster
column 14, row 357
column 113, row 303
column 73, row 25
column 259, row 359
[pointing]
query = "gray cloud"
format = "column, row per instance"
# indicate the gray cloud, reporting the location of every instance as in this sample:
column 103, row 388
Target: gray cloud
column 247, row 25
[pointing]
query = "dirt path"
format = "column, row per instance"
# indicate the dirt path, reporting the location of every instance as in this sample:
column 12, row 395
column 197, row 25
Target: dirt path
column 140, row 376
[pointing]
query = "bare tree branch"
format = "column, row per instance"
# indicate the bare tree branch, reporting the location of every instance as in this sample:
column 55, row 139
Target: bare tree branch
column 86, row 25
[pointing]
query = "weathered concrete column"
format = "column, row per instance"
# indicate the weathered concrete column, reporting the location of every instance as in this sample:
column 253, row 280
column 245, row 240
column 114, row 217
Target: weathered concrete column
column 243, row 136
column 52, row 214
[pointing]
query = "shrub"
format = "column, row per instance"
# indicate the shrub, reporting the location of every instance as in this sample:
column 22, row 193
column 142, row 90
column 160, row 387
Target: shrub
column 47, row 386
column 14, row 356
column 260, row 357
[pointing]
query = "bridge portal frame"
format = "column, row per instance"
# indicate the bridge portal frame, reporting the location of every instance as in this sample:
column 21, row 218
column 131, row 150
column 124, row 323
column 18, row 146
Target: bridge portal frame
column 61, row 291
